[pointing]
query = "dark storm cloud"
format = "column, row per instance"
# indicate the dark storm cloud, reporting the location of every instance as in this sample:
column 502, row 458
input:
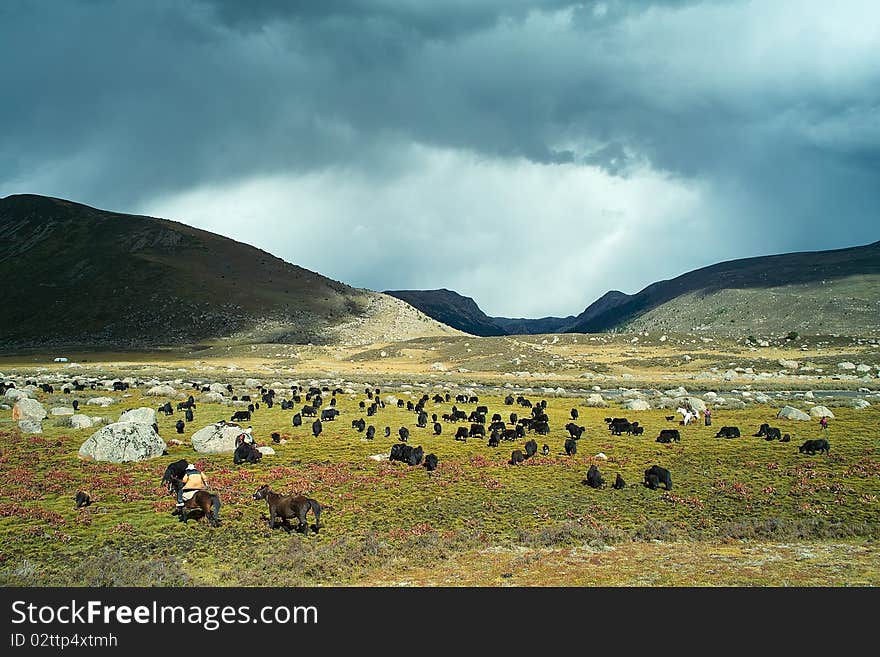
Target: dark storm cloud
column 760, row 119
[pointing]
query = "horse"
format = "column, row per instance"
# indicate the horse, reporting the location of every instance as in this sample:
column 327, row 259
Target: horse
column 205, row 501
column 290, row 506
column 687, row 414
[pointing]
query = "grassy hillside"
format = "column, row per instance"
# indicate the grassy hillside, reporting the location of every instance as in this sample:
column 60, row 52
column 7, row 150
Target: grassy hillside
column 77, row 276
column 808, row 291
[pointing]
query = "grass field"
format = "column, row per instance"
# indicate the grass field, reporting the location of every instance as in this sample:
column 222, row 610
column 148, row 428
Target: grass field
column 741, row 511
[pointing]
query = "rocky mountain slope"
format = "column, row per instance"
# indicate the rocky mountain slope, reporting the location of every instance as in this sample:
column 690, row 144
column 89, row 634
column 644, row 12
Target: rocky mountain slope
column 74, row 275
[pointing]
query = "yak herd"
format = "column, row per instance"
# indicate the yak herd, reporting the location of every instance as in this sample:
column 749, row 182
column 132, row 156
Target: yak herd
column 478, row 423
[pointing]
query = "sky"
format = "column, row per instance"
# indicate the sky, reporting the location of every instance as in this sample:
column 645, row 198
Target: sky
column 531, row 155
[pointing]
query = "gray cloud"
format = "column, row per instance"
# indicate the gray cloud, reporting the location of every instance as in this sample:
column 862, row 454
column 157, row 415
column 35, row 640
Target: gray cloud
column 758, row 119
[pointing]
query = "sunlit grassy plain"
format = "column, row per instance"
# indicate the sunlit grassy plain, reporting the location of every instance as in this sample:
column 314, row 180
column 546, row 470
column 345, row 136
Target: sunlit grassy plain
column 741, row 512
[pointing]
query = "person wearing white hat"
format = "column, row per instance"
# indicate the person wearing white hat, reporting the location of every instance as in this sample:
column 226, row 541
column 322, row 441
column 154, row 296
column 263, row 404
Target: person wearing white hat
column 193, row 479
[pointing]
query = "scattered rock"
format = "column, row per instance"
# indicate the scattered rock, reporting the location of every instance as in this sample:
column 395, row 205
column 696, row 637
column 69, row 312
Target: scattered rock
column 143, row 415
column 637, row 405
column 62, row 410
column 789, row 364
column 100, row 401
column 792, row 413
column 846, row 365
column 695, row 402
column 821, row 411
column 30, row 426
column 80, row 421
column 28, row 409
column 14, row 394
column 596, row 401
column 121, row 442
column 266, row 450
column 161, row 391
column 216, row 438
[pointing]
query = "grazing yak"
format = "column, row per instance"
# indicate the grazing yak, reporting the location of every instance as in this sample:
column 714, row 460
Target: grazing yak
column 656, row 475
column 728, row 432
column 619, row 483
column 438, row 428
column 329, row 414
column 430, row 463
column 240, row 415
column 574, row 430
column 403, row 432
column 297, row 420
column 574, row 414
column 407, row 454
column 371, row 432
column 594, row 477
column 174, row 471
column 246, row 453
column 82, row 499
column 494, row 439
column 545, row 449
column 387, row 431
column 516, row 457
column 637, row 430
column 360, row 425
column 668, row 436
column 531, row 448
column 571, row 446
column 180, row 426
column 462, row 433
column 769, row 433
column 317, row 428
column 189, row 415
column 541, row 428
column 812, row 446
column 477, row 430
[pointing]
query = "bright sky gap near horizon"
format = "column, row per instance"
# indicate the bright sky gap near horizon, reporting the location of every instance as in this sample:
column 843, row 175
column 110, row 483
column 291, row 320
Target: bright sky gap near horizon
column 532, row 155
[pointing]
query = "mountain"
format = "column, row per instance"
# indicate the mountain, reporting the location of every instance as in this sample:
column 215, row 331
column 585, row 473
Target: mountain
column 817, row 292
column 461, row 312
column 74, row 275
column 450, row 308
column 813, row 292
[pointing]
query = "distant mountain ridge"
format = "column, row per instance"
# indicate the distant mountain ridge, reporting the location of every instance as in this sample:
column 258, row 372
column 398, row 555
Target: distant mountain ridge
column 772, row 293
column 461, row 312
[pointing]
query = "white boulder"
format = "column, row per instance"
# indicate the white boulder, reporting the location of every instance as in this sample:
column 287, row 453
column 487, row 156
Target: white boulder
column 28, row 409
column 821, row 411
column 143, row 415
column 122, row 442
column 792, row 413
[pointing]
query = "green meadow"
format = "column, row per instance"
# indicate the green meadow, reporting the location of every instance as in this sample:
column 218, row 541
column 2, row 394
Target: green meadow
column 742, row 511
